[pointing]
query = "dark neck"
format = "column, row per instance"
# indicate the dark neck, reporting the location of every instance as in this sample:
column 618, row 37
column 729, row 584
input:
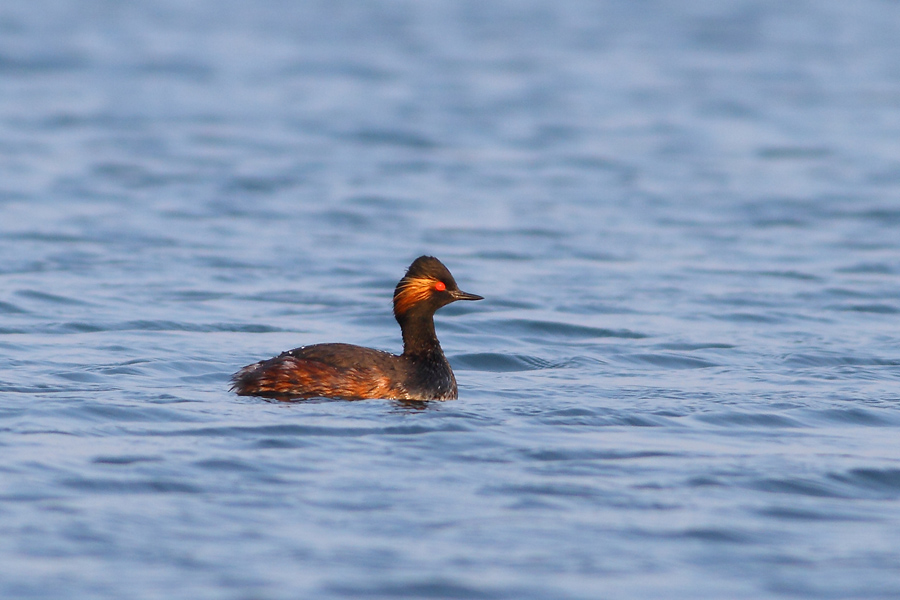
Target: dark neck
column 419, row 339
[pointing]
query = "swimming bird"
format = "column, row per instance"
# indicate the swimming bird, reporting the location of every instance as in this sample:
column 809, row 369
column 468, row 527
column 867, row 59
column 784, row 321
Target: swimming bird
column 354, row 372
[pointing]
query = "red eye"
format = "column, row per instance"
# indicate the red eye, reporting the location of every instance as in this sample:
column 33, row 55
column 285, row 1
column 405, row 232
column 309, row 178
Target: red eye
column 439, row 286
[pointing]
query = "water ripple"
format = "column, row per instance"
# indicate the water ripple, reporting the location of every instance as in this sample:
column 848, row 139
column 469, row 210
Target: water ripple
column 427, row 588
column 137, row 486
column 551, row 329
column 498, row 363
column 309, row 431
column 669, row 361
column 8, row 308
column 882, row 482
column 801, row 487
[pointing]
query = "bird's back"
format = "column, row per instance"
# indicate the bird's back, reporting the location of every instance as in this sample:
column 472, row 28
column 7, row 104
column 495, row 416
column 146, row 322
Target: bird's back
column 327, row 370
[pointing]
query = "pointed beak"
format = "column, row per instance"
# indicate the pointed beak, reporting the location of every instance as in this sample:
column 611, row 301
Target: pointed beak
column 461, row 295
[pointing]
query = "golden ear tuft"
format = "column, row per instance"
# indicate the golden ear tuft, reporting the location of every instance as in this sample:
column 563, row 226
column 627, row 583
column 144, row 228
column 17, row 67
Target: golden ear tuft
column 412, row 291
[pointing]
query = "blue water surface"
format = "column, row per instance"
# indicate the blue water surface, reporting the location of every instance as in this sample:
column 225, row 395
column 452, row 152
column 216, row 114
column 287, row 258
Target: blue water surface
column 684, row 381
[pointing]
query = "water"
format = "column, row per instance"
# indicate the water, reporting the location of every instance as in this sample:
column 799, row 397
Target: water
column 683, row 383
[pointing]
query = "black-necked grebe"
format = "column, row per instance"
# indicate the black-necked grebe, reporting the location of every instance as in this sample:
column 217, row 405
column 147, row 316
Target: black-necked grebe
column 353, row 372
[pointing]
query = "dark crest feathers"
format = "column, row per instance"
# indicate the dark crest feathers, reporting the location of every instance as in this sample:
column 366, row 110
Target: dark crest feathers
column 429, row 267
